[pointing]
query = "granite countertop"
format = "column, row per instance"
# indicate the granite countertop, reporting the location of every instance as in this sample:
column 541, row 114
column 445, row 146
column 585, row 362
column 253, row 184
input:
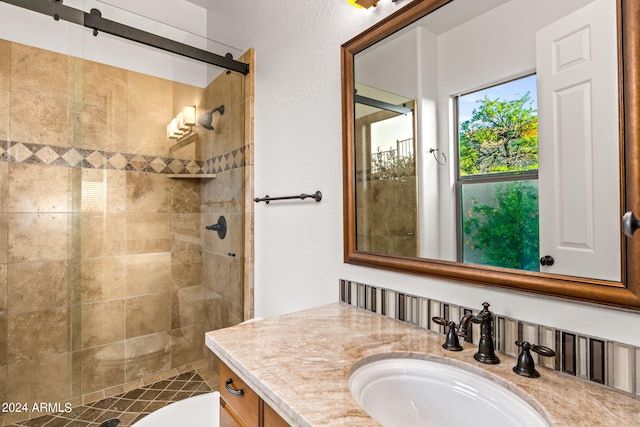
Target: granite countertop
column 298, row 363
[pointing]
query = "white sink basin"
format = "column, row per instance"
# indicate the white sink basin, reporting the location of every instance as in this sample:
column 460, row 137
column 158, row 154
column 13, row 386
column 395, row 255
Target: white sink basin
column 408, row 392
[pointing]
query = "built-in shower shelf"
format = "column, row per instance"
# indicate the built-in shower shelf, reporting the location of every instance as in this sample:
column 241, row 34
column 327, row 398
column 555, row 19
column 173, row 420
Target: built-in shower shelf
column 192, row 176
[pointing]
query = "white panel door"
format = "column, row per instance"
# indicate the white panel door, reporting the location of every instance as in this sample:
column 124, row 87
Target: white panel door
column 578, row 143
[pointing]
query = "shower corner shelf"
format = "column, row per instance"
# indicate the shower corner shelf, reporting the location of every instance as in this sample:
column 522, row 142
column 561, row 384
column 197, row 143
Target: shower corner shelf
column 192, row 176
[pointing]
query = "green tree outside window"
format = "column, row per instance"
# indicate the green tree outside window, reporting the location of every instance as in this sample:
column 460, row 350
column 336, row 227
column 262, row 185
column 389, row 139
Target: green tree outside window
column 502, row 136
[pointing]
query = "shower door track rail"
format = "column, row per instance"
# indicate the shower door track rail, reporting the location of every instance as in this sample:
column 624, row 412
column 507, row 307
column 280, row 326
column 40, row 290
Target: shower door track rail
column 95, row 21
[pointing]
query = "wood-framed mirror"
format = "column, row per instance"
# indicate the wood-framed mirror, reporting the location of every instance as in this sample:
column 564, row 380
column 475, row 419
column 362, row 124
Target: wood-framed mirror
column 432, row 236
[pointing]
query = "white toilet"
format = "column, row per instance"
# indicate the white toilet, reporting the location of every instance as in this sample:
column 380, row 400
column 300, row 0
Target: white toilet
column 197, row 411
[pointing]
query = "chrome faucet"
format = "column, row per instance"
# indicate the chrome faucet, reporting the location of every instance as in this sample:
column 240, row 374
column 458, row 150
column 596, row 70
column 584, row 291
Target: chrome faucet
column 486, row 351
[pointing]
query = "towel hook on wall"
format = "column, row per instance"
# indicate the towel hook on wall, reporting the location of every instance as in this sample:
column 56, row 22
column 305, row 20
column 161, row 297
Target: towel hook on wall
column 433, row 151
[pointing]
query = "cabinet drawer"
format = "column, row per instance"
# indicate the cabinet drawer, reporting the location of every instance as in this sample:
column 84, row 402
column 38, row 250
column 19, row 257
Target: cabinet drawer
column 272, row 419
column 227, row 417
column 239, row 397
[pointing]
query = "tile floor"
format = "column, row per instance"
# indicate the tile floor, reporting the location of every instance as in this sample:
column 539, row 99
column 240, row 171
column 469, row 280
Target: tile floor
column 127, row 407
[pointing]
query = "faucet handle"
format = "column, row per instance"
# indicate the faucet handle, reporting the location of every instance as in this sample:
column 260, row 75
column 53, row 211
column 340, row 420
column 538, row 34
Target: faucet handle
column 526, row 366
column 451, row 343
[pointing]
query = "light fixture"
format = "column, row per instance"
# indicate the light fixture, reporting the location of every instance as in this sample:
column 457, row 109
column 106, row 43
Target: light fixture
column 363, row 4
column 183, row 124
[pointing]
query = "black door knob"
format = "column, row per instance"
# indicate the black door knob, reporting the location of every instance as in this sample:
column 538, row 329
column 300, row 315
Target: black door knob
column 547, row 260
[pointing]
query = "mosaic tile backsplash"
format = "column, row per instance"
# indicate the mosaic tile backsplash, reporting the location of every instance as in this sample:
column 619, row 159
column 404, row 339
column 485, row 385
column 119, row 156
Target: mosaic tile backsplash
column 599, row 360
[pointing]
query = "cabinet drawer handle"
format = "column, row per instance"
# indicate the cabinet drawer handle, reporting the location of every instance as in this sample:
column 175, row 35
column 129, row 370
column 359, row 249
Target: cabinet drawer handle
column 227, row 385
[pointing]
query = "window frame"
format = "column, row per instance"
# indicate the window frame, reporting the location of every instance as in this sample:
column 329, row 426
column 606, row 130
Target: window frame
column 486, row 178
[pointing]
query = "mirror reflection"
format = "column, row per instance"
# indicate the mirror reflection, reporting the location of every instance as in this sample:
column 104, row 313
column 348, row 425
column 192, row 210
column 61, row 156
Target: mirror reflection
column 487, row 133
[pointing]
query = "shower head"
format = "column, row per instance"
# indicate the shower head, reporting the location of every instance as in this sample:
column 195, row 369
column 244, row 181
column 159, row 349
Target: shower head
column 206, row 119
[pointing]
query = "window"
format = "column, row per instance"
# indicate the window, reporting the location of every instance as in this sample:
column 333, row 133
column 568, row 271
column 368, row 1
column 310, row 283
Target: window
column 497, row 175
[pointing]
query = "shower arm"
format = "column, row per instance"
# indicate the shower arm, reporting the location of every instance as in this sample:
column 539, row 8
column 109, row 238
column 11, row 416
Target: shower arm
column 95, row 21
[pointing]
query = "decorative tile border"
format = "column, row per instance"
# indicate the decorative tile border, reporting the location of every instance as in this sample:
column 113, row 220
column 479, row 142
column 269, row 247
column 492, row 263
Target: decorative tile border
column 225, row 162
column 43, row 154
column 594, row 359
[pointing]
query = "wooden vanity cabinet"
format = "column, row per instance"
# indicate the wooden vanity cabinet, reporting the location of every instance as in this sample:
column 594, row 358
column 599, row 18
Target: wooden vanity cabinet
column 242, row 407
column 271, row 417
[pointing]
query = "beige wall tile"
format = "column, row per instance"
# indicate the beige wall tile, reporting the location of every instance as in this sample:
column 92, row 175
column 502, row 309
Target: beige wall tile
column 39, row 116
column 5, row 64
column 148, row 355
column 220, row 312
column 148, row 192
column 4, row 219
column 216, row 194
column 102, row 190
column 100, row 235
column 37, row 237
column 104, row 107
column 3, row 288
column 148, row 273
column 75, row 334
column 209, row 272
column 4, row 224
column 185, row 195
column 44, row 380
column 37, row 286
column 150, row 109
column 148, row 232
column 224, row 276
column 235, row 233
column 148, row 314
column 37, row 188
column 5, row 110
column 187, row 345
column 100, row 279
column 4, row 186
column 3, row 345
column 186, row 269
column 228, row 130
column 102, row 323
column 236, row 279
column 47, row 328
column 40, row 102
column 236, row 190
column 189, row 147
column 102, row 367
column 40, row 66
column 186, row 232
column 187, row 307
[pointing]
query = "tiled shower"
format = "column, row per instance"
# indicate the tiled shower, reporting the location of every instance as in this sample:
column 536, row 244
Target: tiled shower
column 108, row 279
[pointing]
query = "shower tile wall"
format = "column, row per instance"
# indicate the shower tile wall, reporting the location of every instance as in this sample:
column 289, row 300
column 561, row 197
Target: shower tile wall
column 224, row 259
column 102, row 280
